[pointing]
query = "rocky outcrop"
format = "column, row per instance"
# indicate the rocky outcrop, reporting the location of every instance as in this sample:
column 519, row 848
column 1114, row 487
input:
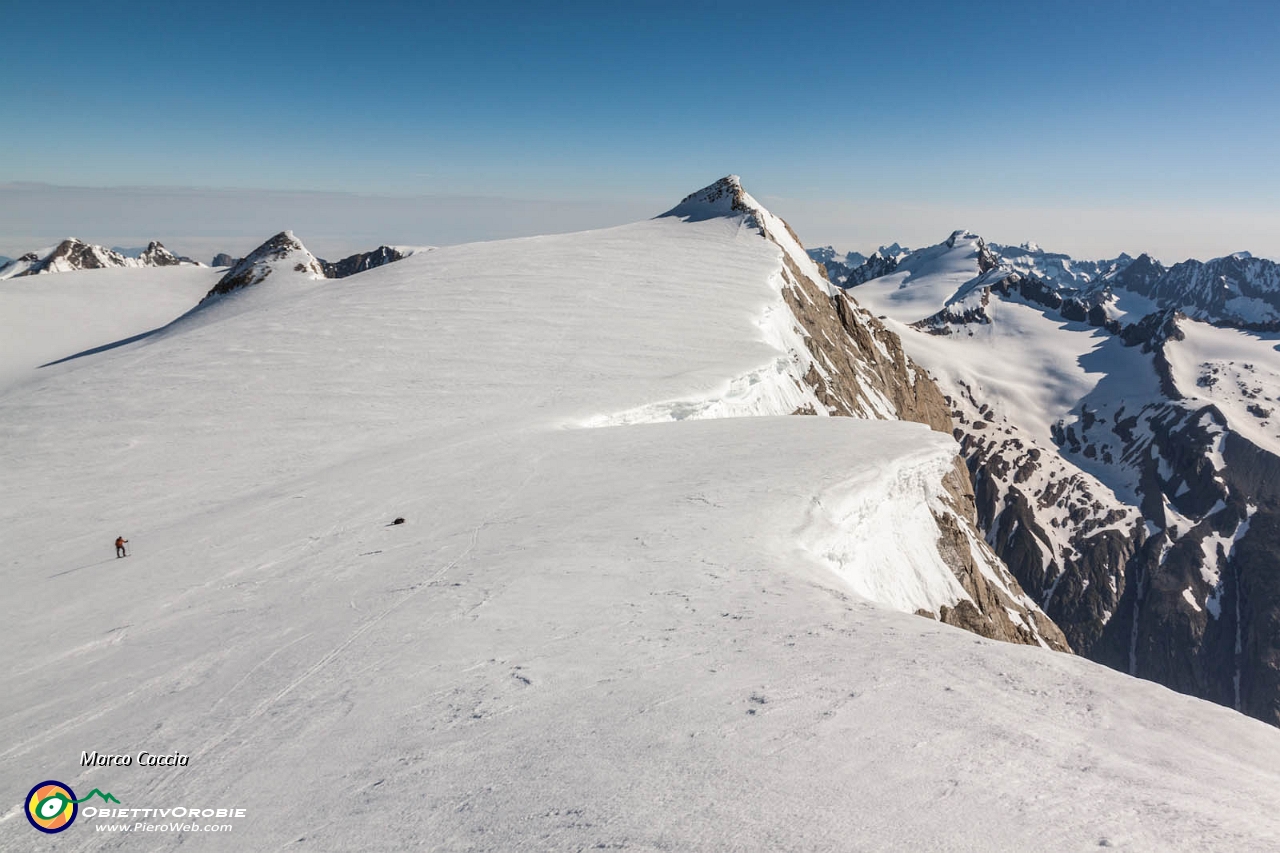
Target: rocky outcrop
column 222, row 259
column 156, row 255
column 72, row 254
column 361, row 262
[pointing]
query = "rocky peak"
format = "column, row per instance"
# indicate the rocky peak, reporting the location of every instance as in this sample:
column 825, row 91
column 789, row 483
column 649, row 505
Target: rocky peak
column 282, row 254
column 1139, row 276
column 1153, row 330
column 222, row 259
column 73, row 254
column 725, row 197
column 156, row 255
column 987, row 260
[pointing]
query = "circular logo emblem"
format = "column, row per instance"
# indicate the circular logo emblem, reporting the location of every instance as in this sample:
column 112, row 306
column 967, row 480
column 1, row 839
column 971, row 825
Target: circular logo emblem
column 51, row 806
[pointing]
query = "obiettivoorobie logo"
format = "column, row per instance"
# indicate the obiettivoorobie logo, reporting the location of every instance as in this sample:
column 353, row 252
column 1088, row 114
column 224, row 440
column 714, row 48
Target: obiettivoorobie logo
column 52, row 806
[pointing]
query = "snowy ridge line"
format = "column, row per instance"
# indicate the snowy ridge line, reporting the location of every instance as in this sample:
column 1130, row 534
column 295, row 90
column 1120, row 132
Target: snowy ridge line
column 900, row 538
column 866, row 528
column 774, row 388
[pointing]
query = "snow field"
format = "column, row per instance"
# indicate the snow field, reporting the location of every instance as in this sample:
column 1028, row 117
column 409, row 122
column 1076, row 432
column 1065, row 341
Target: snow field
column 1237, row 371
column 46, row 317
column 582, row 638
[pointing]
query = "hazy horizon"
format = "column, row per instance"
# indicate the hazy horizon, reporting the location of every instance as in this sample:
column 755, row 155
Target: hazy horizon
column 201, row 222
column 1091, row 129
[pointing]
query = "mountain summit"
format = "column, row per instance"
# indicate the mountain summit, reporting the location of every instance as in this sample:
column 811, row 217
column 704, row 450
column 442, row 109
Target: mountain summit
column 723, row 198
column 282, row 253
column 285, row 252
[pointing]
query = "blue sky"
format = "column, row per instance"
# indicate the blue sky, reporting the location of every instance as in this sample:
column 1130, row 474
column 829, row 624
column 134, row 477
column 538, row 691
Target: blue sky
column 1086, row 126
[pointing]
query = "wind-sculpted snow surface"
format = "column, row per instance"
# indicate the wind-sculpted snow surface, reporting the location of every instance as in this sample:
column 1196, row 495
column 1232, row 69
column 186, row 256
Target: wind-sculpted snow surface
column 579, row 638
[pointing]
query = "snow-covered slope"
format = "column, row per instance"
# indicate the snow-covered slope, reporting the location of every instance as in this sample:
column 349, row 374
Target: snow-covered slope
column 46, row 318
column 1234, row 370
column 922, row 282
column 284, row 253
column 581, row 638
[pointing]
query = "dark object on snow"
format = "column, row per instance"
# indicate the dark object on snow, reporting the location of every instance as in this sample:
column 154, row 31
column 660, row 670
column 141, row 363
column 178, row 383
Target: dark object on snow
column 398, row 521
column 120, row 543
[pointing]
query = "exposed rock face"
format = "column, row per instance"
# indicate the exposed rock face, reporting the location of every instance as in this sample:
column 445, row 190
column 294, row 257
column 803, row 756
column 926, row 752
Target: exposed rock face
column 1139, row 276
column 361, row 262
column 1059, row 530
column 222, row 259
column 859, row 369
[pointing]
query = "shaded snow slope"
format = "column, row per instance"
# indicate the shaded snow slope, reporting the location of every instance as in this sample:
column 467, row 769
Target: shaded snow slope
column 45, row 318
column 582, row 638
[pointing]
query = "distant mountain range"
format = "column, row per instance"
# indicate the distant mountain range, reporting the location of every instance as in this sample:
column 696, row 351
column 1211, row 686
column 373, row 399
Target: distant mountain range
column 1121, row 421
column 1237, row 290
column 72, row 254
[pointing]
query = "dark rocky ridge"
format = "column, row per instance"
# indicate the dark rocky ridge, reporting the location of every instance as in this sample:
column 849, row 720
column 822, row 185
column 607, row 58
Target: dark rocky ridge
column 360, row 262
